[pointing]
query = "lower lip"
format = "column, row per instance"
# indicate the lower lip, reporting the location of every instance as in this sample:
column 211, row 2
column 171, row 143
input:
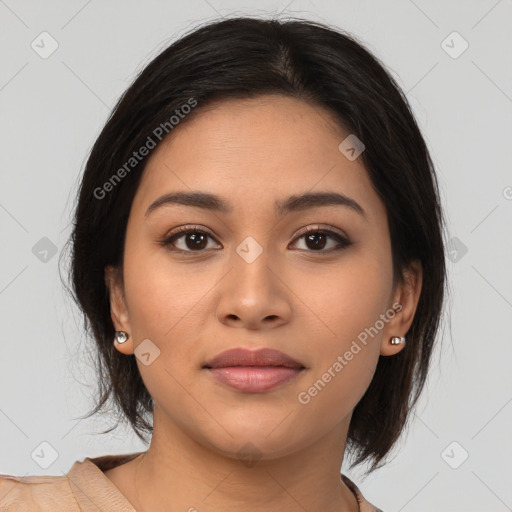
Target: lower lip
column 252, row 379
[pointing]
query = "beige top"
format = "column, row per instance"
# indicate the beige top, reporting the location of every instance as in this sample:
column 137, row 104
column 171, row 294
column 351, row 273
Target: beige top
column 86, row 489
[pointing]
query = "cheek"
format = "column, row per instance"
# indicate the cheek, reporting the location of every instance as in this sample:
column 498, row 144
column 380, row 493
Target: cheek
column 162, row 295
column 348, row 302
column 336, row 388
column 164, row 305
column 349, row 297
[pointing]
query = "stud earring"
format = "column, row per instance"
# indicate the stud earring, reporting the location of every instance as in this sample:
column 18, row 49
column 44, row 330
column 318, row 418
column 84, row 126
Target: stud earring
column 397, row 340
column 121, row 336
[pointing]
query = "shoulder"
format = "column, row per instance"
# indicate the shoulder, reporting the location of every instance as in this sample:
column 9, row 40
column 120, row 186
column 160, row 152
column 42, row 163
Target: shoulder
column 35, row 493
column 364, row 505
column 84, row 483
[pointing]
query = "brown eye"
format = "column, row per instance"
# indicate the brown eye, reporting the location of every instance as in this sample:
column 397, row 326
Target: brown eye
column 187, row 240
column 316, row 240
column 196, row 240
column 193, row 240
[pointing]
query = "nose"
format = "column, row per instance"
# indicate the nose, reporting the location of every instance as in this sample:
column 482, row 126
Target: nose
column 254, row 295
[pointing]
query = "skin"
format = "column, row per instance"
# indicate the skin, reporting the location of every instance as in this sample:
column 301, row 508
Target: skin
column 307, row 303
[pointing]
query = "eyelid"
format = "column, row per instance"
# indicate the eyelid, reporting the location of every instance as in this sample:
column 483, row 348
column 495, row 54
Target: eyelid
column 323, row 228
column 190, row 227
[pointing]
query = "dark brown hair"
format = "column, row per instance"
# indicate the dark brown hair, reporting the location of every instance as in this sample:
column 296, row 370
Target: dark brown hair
column 242, row 58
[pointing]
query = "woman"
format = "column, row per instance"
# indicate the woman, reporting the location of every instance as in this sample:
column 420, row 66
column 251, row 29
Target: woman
column 258, row 253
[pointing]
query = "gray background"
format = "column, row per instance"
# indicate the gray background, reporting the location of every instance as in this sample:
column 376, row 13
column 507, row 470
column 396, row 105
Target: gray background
column 53, row 108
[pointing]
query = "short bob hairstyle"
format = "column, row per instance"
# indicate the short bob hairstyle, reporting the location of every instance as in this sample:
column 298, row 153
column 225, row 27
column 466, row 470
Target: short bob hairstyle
column 245, row 57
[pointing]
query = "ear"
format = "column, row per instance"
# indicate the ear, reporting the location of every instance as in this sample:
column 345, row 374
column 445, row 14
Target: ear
column 407, row 294
column 118, row 309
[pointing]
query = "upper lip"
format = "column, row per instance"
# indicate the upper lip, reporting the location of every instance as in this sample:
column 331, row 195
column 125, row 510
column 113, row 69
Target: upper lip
column 245, row 357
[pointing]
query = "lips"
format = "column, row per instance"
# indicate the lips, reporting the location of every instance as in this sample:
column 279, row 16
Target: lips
column 254, row 371
column 265, row 357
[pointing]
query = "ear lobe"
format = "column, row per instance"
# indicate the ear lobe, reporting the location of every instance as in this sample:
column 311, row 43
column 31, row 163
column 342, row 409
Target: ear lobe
column 407, row 295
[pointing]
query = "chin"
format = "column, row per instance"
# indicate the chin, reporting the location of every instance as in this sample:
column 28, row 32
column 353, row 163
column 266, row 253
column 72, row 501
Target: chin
column 266, row 440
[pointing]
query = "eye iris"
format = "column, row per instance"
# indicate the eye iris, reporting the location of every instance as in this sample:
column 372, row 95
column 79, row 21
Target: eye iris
column 318, row 240
column 199, row 240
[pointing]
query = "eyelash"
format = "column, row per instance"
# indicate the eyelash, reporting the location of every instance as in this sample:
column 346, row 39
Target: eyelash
column 184, row 230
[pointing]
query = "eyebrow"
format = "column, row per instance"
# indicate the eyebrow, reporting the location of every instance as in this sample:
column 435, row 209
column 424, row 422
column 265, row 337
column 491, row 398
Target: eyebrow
column 293, row 203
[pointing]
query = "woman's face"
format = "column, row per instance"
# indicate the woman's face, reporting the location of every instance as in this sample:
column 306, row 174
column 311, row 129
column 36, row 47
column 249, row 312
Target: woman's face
column 255, row 280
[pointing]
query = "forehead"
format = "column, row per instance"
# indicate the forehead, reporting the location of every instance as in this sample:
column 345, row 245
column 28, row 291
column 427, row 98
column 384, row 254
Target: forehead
column 255, row 152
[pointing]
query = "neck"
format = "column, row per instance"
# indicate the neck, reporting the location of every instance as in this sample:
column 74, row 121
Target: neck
column 181, row 473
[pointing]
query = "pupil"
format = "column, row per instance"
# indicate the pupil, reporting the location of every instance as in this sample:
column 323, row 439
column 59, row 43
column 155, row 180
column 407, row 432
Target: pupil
column 315, row 239
column 197, row 239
